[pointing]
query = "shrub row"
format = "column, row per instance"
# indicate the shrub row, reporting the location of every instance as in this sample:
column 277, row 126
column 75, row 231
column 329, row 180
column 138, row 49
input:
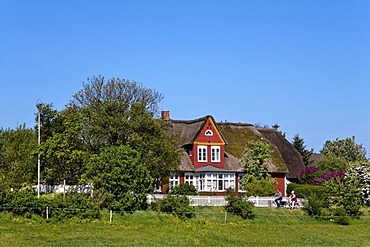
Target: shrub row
column 25, row 203
column 304, row 190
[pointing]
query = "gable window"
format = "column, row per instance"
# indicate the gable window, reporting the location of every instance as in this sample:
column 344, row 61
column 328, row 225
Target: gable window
column 208, row 133
column 202, row 153
column 215, row 154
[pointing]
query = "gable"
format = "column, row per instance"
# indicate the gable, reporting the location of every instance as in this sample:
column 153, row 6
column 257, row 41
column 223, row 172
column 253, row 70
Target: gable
column 209, row 134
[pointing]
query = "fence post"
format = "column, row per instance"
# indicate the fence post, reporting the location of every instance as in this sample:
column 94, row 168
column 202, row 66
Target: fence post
column 64, row 188
column 47, row 212
column 225, row 216
column 110, row 216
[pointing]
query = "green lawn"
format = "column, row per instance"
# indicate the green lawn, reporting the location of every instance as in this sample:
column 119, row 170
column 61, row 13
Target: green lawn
column 272, row 227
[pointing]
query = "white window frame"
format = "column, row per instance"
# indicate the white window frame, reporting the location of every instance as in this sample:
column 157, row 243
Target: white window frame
column 240, row 186
column 215, row 153
column 189, row 178
column 174, row 180
column 202, row 153
column 214, row 182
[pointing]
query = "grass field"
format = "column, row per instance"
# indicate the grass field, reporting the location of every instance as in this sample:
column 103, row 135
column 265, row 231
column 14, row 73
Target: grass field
column 271, row 227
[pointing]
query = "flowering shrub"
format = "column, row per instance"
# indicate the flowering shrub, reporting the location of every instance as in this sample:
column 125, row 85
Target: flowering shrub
column 308, row 174
column 326, row 176
column 361, row 175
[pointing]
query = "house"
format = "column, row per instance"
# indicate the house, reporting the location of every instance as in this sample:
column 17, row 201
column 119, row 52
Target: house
column 211, row 154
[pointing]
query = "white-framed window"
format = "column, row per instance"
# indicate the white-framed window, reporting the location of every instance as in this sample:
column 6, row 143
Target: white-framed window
column 202, row 153
column 215, row 154
column 214, row 181
column 208, row 133
column 174, row 180
column 190, row 178
column 240, row 186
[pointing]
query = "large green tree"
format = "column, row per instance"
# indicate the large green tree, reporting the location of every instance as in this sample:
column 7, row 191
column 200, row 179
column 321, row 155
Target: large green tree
column 120, row 179
column 18, row 164
column 63, row 152
column 346, row 149
column 120, row 112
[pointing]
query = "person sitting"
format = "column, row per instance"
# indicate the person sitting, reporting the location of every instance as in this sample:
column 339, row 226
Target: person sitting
column 278, row 198
column 292, row 199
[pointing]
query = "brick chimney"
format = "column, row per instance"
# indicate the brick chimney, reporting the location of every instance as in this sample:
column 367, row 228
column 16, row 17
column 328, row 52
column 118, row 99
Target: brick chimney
column 165, row 114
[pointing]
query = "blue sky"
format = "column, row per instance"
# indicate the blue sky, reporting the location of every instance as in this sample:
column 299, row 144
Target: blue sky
column 302, row 64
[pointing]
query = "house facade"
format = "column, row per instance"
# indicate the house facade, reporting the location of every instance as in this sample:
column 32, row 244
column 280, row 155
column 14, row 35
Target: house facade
column 211, row 154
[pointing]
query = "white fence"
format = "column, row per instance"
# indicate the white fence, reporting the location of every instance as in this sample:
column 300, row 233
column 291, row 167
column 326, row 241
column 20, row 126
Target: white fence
column 217, row 200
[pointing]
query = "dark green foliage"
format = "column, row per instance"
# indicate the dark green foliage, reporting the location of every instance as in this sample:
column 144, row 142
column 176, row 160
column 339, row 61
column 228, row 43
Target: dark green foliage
column 304, row 190
column 176, row 205
column 119, row 112
column 315, row 203
column 25, row 203
column 120, row 180
column 239, row 205
column 298, row 143
column 63, row 153
column 17, row 159
column 73, row 205
column 184, row 189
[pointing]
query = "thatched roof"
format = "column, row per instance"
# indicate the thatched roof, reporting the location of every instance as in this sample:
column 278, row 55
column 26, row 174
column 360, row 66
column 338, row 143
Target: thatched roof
column 288, row 152
column 238, row 135
column 285, row 158
column 187, row 130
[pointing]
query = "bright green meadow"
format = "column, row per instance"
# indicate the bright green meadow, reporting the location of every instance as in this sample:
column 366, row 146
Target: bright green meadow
column 271, row 227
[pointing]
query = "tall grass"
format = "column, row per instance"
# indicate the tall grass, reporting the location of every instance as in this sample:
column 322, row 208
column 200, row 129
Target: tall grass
column 271, row 227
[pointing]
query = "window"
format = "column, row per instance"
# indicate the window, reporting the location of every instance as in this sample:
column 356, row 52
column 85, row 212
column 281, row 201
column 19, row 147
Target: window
column 215, row 181
column 215, row 154
column 240, row 186
column 174, row 181
column 202, row 153
column 189, row 178
column 208, row 133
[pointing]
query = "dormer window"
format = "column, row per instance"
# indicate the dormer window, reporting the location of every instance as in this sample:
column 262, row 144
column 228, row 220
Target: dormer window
column 208, row 133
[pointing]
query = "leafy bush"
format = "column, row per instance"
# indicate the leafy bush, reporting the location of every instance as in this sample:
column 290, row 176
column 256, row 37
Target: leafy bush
column 22, row 202
column 25, row 203
column 314, row 204
column 263, row 187
column 339, row 216
column 176, row 205
column 347, row 194
column 184, row 189
column 74, row 205
column 304, row 190
column 238, row 205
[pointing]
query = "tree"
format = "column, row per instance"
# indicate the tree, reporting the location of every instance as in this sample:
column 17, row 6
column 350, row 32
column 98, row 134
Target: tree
column 17, row 160
column 346, row 149
column 257, row 176
column 63, row 153
column 119, row 178
column 120, row 112
column 298, row 143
